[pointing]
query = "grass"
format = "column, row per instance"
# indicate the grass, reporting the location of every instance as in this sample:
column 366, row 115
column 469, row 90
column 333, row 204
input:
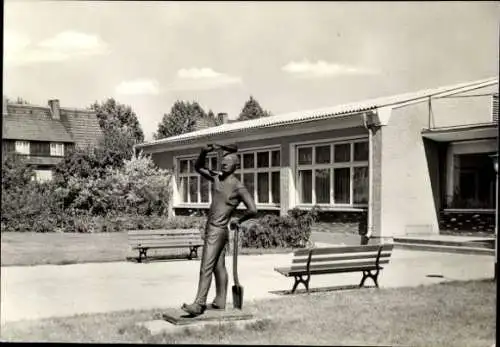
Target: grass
column 24, row 249
column 448, row 314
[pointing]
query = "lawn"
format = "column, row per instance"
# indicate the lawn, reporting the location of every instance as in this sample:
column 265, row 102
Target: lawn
column 71, row 248
column 448, row 314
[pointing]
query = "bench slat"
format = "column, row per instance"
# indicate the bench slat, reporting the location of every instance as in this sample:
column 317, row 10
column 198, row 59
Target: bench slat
column 286, row 271
column 344, row 249
column 162, row 246
column 173, row 239
column 340, row 256
column 333, row 266
column 162, row 232
column 167, row 243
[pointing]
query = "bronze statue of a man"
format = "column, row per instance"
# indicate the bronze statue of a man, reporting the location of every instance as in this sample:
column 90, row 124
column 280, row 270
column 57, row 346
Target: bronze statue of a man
column 227, row 193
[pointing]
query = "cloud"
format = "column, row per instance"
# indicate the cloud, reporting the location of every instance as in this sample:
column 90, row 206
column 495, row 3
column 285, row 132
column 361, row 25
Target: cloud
column 202, row 79
column 322, row 69
column 138, row 87
column 67, row 45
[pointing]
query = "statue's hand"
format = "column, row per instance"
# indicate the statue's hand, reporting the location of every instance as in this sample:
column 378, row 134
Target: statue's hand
column 234, row 225
column 209, row 148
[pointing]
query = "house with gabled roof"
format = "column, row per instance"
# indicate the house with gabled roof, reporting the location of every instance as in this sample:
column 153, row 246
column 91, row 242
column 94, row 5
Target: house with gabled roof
column 412, row 163
column 44, row 134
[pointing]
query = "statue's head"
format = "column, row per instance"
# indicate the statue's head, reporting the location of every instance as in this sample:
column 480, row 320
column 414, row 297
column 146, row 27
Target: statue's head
column 230, row 162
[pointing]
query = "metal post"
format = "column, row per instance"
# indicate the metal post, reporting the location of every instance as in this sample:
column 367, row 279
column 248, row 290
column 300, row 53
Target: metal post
column 496, row 216
column 495, row 166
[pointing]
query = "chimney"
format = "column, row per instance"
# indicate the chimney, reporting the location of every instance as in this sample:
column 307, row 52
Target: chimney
column 222, row 117
column 55, row 110
column 4, row 106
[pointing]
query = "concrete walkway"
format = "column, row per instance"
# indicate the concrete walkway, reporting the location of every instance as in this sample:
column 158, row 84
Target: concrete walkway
column 48, row 290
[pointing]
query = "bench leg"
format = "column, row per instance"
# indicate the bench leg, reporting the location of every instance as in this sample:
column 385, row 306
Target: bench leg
column 193, row 252
column 142, row 252
column 373, row 276
column 301, row 279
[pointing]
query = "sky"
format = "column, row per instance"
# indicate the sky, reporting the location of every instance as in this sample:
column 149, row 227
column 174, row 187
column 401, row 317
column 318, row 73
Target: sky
column 290, row 56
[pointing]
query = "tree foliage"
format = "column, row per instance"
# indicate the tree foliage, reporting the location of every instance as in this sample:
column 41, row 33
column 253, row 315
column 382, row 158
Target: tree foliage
column 113, row 115
column 18, row 100
column 182, row 118
column 252, row 110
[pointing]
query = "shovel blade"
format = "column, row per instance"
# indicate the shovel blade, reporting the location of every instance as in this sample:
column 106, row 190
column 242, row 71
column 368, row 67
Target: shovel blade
column 237, row 297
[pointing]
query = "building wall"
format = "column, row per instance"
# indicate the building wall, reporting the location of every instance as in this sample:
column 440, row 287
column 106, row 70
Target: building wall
column 471, row 107
column 165, row 159
column 407, row 200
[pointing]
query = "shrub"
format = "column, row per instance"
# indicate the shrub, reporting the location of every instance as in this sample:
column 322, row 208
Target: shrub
column 139, row 187
column 272, row 231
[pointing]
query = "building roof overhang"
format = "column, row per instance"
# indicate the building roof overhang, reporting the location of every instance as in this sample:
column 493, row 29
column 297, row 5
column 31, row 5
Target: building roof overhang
column 462, row 133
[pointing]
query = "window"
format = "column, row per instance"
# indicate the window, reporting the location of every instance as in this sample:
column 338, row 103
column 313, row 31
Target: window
column 260, row 174
column 194, row 189
column 333, row 173
column 43, row 175
column 40, row 148
column 23, row 147
column 57, row 149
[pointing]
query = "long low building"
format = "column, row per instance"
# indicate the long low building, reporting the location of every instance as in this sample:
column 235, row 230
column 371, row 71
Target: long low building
column 403, row 164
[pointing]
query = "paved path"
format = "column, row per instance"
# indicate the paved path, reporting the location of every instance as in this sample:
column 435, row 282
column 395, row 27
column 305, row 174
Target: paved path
column 51, row 290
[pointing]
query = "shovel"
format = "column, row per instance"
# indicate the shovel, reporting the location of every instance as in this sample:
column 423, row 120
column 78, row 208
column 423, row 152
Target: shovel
column 237, row 288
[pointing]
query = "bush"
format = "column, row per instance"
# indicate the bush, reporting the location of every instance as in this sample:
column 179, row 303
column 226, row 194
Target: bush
column 138, row 187
column 272, row 231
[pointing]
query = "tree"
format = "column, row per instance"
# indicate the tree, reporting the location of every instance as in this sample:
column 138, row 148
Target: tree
column 181, row 119
column 19, row 101
column 213, row 118
column 252, row 110
column 113, row 115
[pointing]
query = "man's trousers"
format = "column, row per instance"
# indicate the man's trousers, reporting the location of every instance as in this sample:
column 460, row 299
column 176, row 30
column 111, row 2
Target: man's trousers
column 212, row 262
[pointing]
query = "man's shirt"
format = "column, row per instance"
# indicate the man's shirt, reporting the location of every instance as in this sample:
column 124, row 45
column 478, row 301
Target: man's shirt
column 226, row 196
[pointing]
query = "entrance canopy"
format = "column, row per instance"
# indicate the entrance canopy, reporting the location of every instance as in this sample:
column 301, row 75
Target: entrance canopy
column 462, row 133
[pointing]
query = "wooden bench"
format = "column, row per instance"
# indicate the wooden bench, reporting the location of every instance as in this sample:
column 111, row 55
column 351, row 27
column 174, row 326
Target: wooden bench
column 329, row 260
column 143, row 240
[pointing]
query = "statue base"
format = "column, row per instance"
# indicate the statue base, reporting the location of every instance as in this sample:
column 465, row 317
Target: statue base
column 178, row 316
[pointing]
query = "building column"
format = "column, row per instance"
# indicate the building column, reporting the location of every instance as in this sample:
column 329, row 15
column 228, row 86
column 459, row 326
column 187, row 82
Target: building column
column 285, row 178
column 376, row 189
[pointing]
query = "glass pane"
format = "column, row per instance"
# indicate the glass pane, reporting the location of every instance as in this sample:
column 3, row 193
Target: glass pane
column 275, row 182
column 193, row 189
column 360, row 185
column 263, row 159
column 263, row 187
column 305, row 186
column 213, row 162
column 248, row 161
column 322, row 186
column 275, row 158
column 341, row 178
column 205, row 187
column 183, row 189
column 360, row 151
column 248, row 183
column 191, row 165
column 183, row 166
column 305, row 156
column 342, row 152
column 322, row 154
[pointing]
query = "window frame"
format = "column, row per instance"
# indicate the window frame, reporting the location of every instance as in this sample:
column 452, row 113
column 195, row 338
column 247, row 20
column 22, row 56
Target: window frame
column 57, row 149
column 22, row 147
column 256, row 170
column 179, row 203
column 331, row 166
column 189, row 174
